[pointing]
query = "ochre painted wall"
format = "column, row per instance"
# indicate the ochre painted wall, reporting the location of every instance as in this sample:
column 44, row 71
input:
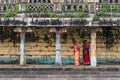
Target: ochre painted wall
column 44, row 44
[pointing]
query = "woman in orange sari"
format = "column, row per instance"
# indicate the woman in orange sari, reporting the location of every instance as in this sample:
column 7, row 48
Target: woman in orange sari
column 86, row 57
column 76, row 55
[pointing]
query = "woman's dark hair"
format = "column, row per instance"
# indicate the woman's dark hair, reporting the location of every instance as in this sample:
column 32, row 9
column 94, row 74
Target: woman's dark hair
column 84, row 41
column 75, row 42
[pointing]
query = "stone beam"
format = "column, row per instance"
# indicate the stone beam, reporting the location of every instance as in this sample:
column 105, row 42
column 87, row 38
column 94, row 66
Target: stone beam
column 52, row 1
column 93, row 1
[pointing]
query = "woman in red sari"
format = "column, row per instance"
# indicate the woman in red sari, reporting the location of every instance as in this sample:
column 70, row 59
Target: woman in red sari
column 76, row 55
column 86, row 57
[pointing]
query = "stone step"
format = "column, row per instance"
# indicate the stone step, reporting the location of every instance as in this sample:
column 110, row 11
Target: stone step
column 60, row 73
column 59, row 79
column 61, row 69
column 61, row 76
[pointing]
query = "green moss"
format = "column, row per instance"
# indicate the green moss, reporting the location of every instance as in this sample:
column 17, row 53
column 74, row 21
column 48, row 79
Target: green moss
column 102, row 15
column 53, row 15
column 9, row 13
column 79, row 15
column 85, row 9
column 16, row 9
column 95, row 17
column 42, row 8
column 27, row 9
column 106, row 7
column 82, row 12
column 63, row 8
column 38, row 9
column 115, row 8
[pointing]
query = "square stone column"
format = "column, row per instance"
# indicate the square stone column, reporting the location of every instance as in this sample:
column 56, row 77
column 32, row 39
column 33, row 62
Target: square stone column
column 22, row 49
column 93, row 60
column 58, row 61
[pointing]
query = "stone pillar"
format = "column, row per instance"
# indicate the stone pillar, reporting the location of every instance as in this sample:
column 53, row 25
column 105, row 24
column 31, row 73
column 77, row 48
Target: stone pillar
column 22, row 49
column 2, row 8
column 59, row 6
column 20, row 8
column 45, row 1
column 28, row 1
column 113, row 1
column 41, row 1
column 66, row 8
column 72, row 7
column 78, row 7
column 58, row 61
column 54, row 7
column 93, row 48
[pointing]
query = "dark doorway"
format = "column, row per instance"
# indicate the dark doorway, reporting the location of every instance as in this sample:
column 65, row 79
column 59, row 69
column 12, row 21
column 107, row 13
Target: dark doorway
column 111, row 1
column 116, row 1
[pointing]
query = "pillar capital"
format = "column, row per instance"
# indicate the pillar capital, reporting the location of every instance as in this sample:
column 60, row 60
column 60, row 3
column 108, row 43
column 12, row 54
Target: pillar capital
column 22, row 29
column 92, row 1
column 58, row 30
column 60, row 1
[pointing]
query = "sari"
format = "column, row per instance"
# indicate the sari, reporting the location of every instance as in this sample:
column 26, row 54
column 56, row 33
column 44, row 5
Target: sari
column 76, row 55
column 86, row 57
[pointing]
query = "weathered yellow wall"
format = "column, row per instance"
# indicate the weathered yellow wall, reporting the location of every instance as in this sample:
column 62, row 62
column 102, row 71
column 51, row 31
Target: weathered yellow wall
column 42, row 48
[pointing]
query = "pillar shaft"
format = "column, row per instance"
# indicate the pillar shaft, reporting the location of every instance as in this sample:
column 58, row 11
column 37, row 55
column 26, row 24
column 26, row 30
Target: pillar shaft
column 20, row 9
column 93, row 48
column 58, row 61
column 22, row 49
